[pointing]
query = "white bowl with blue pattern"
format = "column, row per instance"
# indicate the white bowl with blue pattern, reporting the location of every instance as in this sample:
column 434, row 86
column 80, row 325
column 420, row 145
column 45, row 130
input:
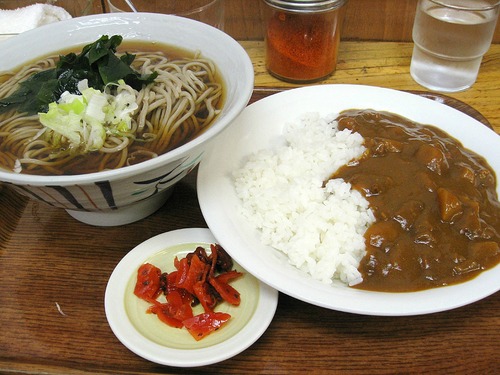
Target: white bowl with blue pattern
column 128, row 194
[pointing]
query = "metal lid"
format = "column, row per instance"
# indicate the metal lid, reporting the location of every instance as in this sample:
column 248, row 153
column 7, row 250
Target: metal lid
column 306, row 5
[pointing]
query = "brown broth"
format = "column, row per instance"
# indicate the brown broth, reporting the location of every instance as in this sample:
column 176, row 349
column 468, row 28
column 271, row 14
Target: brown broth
column 435, row 202
column 87, row 163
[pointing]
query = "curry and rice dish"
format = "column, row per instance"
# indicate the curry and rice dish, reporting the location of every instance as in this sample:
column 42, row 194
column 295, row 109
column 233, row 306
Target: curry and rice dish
column 104, row 107
column 374, row 200
column 435, row 203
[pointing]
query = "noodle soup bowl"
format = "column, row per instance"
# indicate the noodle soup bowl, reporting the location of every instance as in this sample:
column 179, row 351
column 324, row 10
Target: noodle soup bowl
column 124, row 195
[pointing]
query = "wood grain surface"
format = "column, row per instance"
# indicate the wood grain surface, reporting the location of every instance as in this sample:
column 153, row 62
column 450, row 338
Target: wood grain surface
column 54, row 271
column 374, row 20
column 387, row 64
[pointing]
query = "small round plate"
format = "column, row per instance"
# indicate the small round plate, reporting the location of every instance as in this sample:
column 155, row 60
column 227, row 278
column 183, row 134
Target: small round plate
column 153, row 340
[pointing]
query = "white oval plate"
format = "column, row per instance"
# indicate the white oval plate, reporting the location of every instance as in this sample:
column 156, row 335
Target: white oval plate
column 153, row 340
column 260, row 126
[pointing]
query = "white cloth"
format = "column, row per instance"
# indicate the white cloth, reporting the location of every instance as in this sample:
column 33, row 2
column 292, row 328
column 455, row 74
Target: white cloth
column 18, row 20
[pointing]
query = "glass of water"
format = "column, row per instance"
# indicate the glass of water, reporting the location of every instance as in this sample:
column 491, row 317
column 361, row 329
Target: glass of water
column 450, row 38
column 210, row 12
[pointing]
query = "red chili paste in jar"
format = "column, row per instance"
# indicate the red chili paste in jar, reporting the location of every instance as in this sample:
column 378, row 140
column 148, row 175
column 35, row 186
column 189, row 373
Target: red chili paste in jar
column 302, row 46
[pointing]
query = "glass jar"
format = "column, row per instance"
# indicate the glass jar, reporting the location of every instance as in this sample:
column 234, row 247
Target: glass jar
column 302, row 38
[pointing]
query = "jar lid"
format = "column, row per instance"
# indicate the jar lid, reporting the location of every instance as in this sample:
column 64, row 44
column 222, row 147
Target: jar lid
column 306, row 5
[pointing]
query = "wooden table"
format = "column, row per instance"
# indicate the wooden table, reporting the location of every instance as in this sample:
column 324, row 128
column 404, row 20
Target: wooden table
column 387, row 64
column 54, row 272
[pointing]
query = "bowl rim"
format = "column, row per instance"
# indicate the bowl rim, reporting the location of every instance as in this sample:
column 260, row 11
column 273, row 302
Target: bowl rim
column 245, row 89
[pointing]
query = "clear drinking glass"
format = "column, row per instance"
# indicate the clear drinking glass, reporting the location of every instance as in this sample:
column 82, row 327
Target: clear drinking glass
column 451, row 37
column 210, row 12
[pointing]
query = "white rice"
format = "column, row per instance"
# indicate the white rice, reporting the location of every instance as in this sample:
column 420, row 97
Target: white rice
column 319, row 228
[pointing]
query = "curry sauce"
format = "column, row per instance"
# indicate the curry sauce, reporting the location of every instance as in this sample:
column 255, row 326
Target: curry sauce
column 435, row 202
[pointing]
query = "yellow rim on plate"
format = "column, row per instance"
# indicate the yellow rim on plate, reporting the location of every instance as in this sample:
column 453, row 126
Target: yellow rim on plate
column 153, row 340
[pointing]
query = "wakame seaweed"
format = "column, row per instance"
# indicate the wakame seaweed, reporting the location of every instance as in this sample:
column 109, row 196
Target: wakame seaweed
column 97, row 62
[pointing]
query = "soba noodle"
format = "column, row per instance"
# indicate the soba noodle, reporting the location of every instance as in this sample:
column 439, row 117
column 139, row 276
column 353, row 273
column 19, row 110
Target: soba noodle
column 184, row 99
